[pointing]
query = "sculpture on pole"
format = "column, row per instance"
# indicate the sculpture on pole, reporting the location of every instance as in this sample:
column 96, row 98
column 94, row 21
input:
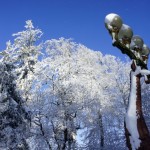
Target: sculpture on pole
column 136, row 131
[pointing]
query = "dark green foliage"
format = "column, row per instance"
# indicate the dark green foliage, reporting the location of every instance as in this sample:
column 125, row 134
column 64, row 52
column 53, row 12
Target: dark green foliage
column 13, row 116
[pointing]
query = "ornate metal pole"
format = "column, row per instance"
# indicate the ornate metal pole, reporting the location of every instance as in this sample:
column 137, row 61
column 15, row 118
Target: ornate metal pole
column 136, row 131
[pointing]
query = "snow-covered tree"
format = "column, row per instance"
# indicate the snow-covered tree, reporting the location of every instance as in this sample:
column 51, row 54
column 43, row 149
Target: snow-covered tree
column 24, row 54
column 73, row 94
column 80, row 85
column 14, row 118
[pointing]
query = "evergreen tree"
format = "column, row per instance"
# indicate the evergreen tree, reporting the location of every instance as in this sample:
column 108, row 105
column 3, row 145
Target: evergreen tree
column 13, row 115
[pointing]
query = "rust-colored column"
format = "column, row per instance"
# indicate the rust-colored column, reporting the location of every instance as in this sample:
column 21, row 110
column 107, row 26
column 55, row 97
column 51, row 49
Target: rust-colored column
column 144, row 135
column 141, row 125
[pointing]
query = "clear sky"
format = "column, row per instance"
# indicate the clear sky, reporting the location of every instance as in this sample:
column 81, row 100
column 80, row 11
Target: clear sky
column 81, row 20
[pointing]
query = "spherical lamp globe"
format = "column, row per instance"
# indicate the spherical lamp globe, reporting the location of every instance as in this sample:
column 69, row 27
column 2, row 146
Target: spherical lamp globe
column 136, row 43
column 125, row 34
column 113, row 22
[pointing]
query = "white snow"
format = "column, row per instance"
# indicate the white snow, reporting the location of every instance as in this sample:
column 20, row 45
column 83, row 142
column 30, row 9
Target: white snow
column 113, row 37
column 109, row 18
column 131, row 116
column 29, row 24
column 80, row 136
column 145, row 72
column 125, row 27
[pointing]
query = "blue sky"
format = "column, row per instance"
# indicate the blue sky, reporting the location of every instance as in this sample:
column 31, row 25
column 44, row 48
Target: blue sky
column 82, row 20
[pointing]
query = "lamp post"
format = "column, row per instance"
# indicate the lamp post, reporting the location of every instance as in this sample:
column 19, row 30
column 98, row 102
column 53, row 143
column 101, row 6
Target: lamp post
column 136, row 131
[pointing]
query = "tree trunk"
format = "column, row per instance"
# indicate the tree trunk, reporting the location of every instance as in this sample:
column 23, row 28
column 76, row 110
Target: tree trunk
column 65, row 139
column 101, row 130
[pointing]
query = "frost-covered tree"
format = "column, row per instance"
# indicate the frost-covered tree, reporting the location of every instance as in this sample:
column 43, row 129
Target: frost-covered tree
column 17, row 72
column 13, row 116
column 77, row 97
column 103, row 115
column 60, row 91
column 79, row 85
column 146, row 103
column 24, row 54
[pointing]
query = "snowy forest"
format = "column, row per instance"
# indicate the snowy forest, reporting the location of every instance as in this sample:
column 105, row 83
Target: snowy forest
column 60, row 95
